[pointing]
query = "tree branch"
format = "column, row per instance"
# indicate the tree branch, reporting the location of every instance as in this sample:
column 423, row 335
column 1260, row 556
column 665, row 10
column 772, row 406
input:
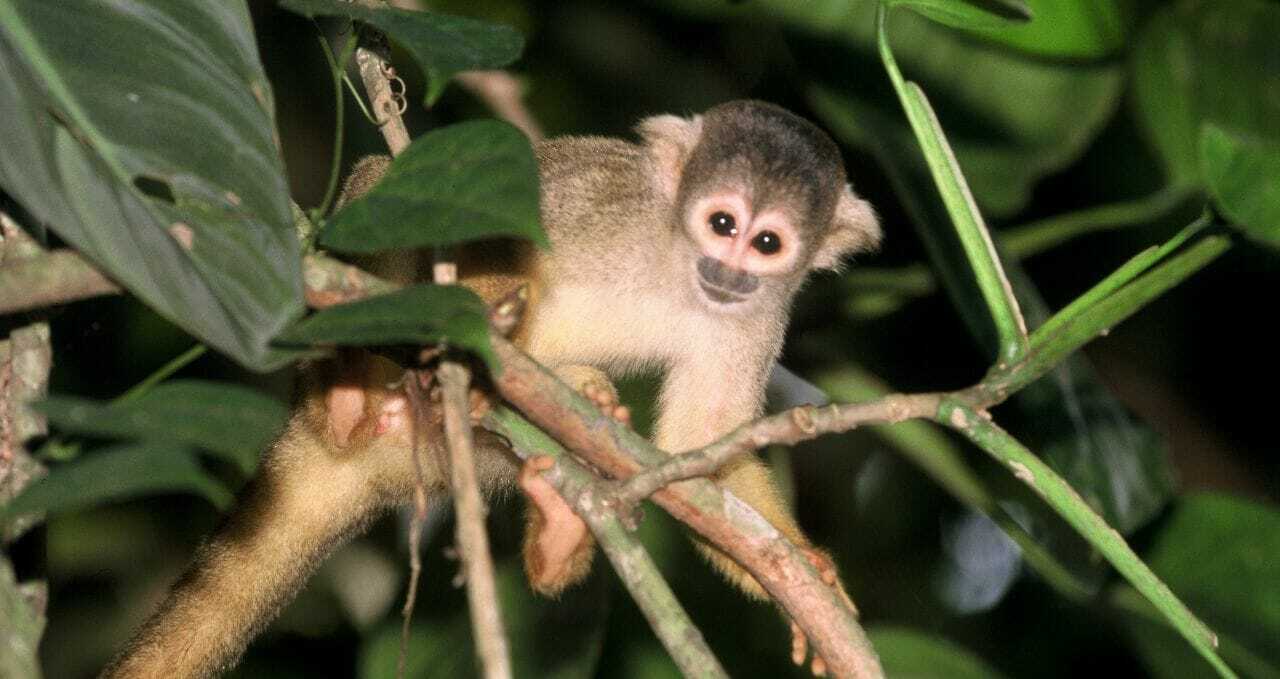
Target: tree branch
column 588, row 495
column 723, row 519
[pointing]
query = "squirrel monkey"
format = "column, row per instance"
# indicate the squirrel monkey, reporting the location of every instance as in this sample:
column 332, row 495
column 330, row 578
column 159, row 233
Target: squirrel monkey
column 680, row 253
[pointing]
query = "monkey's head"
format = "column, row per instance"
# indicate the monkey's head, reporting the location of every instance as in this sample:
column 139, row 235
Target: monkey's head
column 759, row 199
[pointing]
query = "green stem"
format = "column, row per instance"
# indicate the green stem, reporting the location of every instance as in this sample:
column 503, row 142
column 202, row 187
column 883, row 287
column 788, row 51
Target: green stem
column 945, row 169
column 633, row 564
column 336, row 74
column 181, row 361
column 1039, row 236
column 1107, row 304
column 1070, row 506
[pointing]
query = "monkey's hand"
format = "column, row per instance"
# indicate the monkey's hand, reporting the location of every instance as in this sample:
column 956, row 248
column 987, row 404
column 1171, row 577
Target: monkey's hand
column 822, row 562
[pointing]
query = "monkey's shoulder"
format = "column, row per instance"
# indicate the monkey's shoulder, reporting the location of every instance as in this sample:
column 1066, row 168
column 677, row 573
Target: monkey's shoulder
column 593, row 187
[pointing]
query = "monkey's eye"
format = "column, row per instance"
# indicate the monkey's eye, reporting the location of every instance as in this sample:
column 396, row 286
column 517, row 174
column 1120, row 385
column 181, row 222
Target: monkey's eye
column 722, row 223
column 767, row 242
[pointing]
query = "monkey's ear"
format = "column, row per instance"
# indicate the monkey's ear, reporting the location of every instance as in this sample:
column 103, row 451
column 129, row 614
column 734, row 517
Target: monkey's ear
column 854, row 228
column 670, row 140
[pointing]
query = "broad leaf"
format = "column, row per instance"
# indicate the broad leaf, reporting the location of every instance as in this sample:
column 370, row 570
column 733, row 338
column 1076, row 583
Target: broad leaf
column 441, row 44
column 1213, row 62
column 422, row 314
column 119, row 473
column 235, row 422
column 459, row 183
column 1243, row 175
column 1218, row 553
column 915, row 655
column 144, row 136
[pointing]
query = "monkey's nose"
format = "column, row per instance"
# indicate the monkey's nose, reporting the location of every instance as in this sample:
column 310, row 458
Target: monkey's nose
column 726, row 278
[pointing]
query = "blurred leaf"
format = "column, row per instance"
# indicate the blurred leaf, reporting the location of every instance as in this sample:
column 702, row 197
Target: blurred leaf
column 235, row 422
column 970, row 14
column 1214, row 62
column 441, row 44
column 156, row 158
column 1017, row 140
column 421, row 314
column 459, row 183
column 1114, row 460
column 1219, row 554
column 909, row 654
column 119, row 473
column 1072, row 29
column 1244, row 177
column 977, row 253
column 437, row 648
column 20, row 628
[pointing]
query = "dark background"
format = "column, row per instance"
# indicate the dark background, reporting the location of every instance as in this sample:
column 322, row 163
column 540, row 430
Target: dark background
column 1197, row 366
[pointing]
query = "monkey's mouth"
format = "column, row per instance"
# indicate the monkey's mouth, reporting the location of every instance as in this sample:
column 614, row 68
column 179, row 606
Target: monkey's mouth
column 720, row 296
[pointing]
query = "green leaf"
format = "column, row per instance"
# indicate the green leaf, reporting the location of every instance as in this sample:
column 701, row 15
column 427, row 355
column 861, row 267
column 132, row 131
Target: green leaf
column 119, row 473
column 1243, row 174
column 979, row 251
column 421, row 314
column 232, row 421
column 441, row 44
column 1214, row 62
column 970, row 14
column 910, row 654
column 459, row 183
column 1219, row 554
column 156, row 158
column 1068, row 29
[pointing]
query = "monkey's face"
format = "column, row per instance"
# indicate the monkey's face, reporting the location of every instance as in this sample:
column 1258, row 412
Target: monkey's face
column 740, row 255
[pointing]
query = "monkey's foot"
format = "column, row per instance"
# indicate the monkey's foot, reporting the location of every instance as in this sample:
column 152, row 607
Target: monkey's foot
column 596, row 386
column 557, row 549
column 821, row 562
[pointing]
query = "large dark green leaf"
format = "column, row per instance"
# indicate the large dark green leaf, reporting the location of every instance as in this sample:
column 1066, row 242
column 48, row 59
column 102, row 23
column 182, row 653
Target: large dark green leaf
column 441, row 44
column 1243, row 174
column 119, row 473
column 909, row 654
column 463, row 182
column 422, row 314
column 233, row 421
column 143, row 134
column 1218, row 553
column 1214, row 62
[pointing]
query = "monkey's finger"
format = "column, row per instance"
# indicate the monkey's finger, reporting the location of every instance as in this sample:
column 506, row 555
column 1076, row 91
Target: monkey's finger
column 622, row 414
column 799, row 645
column 818, row 666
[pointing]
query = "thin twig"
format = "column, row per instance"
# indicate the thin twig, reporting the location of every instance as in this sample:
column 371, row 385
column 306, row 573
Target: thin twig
column 786, row 428
column 473, row 541
column 588, row 495
column 413, row 394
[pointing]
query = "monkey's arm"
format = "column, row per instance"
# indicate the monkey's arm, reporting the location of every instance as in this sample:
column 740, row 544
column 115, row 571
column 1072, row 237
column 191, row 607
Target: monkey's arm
column 310, row 496
column 699, row 403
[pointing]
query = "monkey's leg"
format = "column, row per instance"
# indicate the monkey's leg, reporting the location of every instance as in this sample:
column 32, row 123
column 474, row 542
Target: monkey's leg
column 341, row 462
column 558, row 548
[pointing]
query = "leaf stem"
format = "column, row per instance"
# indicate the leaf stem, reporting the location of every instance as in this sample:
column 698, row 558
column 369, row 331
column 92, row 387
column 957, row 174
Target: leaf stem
column 163, row 373
column 1064, row 500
